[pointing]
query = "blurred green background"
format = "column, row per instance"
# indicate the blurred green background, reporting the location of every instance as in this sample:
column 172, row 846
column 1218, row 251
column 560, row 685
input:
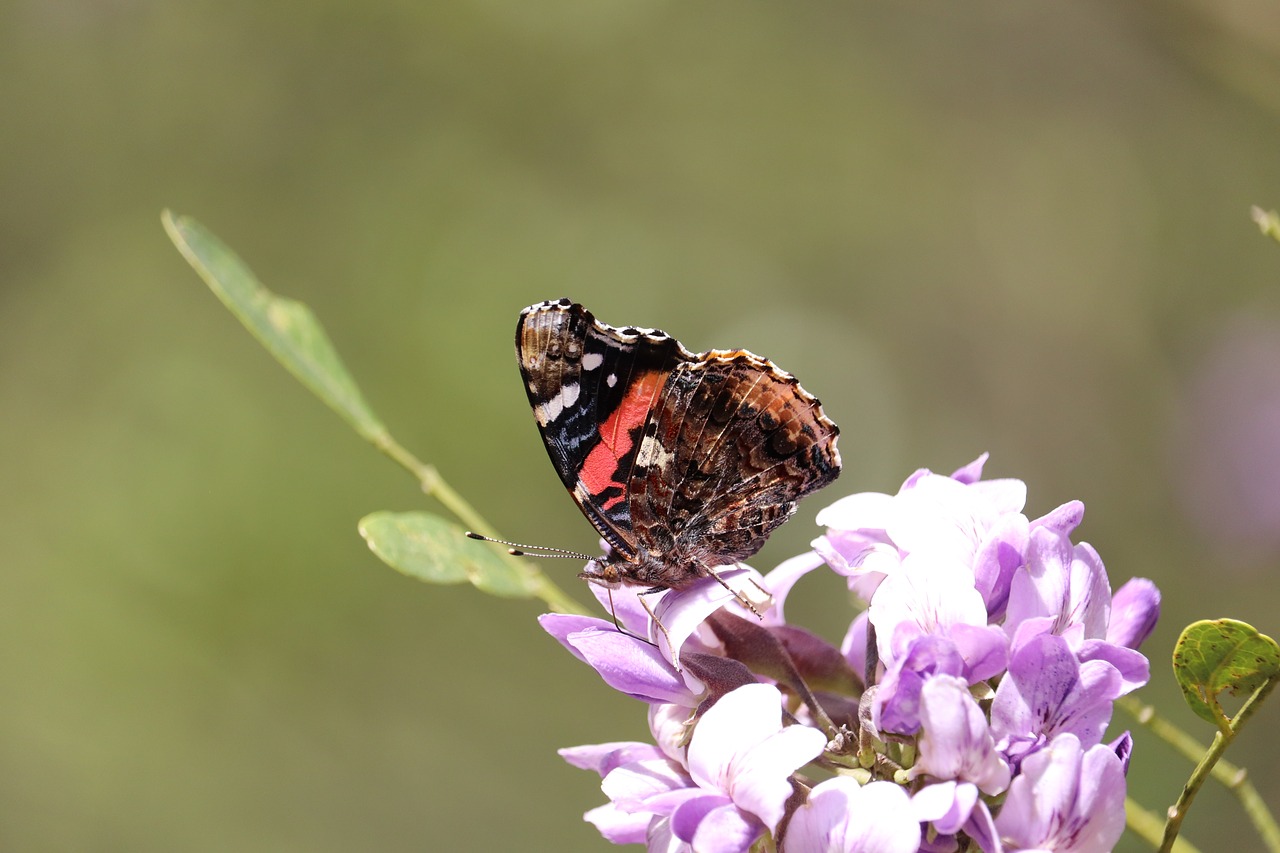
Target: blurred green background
column 1015, row 228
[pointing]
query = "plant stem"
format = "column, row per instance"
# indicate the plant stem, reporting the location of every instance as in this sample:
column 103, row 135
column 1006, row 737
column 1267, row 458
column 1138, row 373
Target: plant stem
column 1149, row 827
column 434, row 485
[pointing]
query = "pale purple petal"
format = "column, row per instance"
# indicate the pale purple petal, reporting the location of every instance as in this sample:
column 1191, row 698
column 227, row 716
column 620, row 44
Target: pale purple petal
column 1133, row 666
column 999, row 555
column 854, row 644
column 1066, row 799
column 669, row 726
column 842, row 816
column 983, row 648
column 692, row 810
column 622, row 602
column 726, row 830
column 946, row 805
column 1135, row 607
column 863, row 511
column 740, row 748
column 1047, row 691
column 601, row 758
column 932, row 594
column 1062, row 520
column 661, row 839
column 1002, row 495
column 1040, row 587
column 682, row 612
column 633, row 667
column 956, row 743
column 896, row 705
column 561, row 625
column 619, row 827
column 634, row 787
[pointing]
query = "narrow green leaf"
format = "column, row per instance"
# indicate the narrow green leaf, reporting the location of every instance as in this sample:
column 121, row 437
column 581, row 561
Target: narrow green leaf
column 426, row 547
column 1222, row 655
column 285, row 327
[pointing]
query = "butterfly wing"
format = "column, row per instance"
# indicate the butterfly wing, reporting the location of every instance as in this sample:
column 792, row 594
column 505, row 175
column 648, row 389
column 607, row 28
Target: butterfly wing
column 592, row 388
column 733, row 445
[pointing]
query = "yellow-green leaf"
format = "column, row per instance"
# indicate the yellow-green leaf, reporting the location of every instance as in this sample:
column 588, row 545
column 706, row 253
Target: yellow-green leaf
column 285, row 327
column 1222, row 655
column 426, row 547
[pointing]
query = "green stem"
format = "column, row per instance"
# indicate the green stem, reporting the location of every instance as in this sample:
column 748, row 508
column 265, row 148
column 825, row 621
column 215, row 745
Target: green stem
column 434, row 485
column 1148, row 826
column 1230, row 776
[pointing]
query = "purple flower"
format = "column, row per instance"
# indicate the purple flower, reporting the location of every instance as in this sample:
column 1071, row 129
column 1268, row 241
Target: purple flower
column 841, row 816
column 735, row 788
column 1066, row 799
column 999, row 653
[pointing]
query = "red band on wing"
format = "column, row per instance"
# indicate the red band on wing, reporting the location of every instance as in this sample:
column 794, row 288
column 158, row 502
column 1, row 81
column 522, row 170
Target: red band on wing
column 600, row 468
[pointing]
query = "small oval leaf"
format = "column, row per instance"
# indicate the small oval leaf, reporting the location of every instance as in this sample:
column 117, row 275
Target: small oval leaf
column 431, row 549
column 285, row 327
column 1222, row 655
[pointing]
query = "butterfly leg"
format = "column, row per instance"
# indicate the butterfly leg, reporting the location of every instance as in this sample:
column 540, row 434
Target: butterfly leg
column 675, row 661
column 766, row 598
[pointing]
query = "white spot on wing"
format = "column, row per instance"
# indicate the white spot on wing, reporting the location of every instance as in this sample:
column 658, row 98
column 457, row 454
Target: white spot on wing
column 611, row 380
column 551, row 409
column 592, row 360
column 651, row 454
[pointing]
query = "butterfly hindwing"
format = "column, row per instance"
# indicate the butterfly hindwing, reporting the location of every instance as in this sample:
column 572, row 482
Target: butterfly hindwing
column 734, row 444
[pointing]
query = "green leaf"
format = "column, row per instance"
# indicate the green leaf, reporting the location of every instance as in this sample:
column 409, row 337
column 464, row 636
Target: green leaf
column 1222, row 655
column 431, row 549
column 285, row 327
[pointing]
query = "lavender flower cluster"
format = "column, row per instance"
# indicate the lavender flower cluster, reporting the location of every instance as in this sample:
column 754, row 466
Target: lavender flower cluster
column 994, row 649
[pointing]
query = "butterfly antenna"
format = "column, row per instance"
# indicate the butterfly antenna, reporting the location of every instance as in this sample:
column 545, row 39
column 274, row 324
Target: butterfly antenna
column 515, row 549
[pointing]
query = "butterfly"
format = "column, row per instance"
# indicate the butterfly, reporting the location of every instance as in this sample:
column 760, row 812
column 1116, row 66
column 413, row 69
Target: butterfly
column 683, row 462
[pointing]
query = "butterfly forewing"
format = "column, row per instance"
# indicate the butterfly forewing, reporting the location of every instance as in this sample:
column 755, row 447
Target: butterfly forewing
column 592, row 388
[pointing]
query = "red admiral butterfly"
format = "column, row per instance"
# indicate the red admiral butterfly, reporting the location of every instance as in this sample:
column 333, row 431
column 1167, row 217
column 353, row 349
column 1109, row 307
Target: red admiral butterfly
column 683, row 462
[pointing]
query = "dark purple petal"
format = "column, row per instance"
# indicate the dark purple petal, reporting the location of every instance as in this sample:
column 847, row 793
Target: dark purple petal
column 1123, row 748
column 1135, row 607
